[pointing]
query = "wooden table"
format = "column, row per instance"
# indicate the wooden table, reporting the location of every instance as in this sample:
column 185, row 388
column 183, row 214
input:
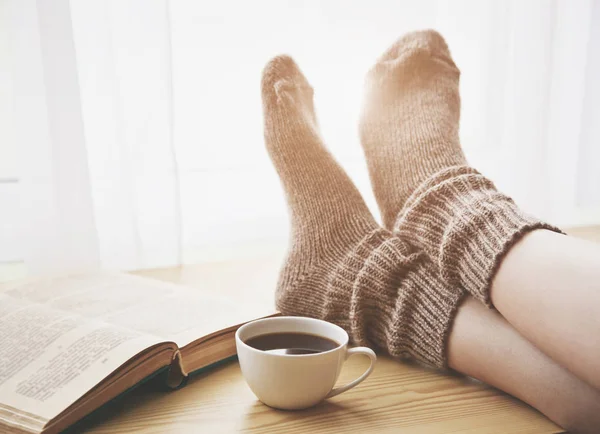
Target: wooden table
column 397, row 397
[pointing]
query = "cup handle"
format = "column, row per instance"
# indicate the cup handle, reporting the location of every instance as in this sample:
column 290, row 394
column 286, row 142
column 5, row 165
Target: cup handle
column 358, row 350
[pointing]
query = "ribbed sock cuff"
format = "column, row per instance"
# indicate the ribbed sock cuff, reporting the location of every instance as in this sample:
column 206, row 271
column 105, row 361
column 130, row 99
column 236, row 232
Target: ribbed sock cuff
column 383, row 293
column 466, row 225
column 399, row 301
column 427, row 320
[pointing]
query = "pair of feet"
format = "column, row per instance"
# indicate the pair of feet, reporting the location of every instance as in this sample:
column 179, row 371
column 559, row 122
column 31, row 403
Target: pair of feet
column 446, row 227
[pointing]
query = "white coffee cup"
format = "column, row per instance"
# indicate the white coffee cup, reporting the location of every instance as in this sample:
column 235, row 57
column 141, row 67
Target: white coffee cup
column 296, row 381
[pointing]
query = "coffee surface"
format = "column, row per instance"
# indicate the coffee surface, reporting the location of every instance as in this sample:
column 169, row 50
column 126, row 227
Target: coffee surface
column 292, row 343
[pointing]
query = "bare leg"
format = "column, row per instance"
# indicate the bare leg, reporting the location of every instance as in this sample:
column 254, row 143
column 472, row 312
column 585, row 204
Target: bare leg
column 548, row 288
column 485, row 346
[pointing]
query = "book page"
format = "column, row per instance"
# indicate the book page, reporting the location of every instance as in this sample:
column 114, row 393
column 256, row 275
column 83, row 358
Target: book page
column 50, row 357
column 171, row 312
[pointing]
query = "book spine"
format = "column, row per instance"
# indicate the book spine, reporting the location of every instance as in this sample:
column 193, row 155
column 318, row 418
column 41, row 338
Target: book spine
column 176, row 375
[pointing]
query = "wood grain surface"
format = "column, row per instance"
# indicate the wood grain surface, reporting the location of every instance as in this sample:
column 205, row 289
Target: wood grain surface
column 397, row 397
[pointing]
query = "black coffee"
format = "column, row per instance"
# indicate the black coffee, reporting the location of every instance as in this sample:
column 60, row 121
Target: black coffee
column 292, row 343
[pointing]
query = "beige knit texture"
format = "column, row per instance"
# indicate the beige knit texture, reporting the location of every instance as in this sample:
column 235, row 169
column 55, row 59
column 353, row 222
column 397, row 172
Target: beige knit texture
column 409, row 132
column 466, row 226
column 410, row 117
column 341, row 266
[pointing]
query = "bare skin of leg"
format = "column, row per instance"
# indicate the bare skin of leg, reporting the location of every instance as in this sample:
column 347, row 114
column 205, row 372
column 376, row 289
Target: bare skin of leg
column 483, row 345
column 548, row 288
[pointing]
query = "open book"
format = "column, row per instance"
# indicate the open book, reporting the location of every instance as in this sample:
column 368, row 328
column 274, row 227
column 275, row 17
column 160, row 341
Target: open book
column 70, row 344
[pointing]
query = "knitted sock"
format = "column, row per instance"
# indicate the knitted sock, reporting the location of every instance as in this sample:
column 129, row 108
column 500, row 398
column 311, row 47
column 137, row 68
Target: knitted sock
column 409, row 131
column 466, row 226
column 341, row 266
column 409, row 124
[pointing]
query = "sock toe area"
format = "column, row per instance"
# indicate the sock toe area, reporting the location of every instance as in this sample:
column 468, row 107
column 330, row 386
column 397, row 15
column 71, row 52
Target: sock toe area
column 428, row 40
column 282, row 75
column 413, row 49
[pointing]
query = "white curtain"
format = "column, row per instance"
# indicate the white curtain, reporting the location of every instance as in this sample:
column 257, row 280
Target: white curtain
column 131, row 130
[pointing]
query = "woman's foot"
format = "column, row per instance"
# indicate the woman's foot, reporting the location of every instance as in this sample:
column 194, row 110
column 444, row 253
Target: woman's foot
column 409, row 123
column 409, row 131
column 341, row 266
